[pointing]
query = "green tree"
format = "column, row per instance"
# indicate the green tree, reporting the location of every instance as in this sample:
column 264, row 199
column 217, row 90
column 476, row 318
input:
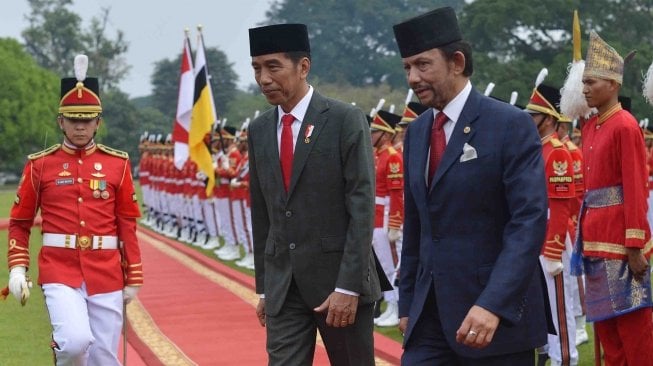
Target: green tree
column 121, row 128
column 352, row 41
column 54, row 36
column 165, row 82
column 28, row 106
column 513, row 40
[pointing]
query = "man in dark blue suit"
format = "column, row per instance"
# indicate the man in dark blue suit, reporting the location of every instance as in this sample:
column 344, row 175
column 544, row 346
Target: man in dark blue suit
column 475, row 212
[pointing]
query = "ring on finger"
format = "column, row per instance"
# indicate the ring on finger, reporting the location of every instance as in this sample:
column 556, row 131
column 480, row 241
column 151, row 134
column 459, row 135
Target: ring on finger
column 472, row 333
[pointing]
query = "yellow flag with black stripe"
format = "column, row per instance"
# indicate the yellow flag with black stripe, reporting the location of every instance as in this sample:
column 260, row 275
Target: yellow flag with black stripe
column 202, row 118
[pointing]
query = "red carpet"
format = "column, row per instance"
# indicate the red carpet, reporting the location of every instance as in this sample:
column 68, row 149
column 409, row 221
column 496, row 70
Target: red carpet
column 194, row 310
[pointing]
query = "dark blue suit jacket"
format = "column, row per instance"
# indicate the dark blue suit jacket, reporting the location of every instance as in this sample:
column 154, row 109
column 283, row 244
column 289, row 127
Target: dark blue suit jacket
column 476, row 235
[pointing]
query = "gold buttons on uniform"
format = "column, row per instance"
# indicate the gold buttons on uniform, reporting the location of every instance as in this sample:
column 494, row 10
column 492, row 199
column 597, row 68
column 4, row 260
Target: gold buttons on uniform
column 80, row 180
column 82, row 223
column 80, row 199
column 79, row 161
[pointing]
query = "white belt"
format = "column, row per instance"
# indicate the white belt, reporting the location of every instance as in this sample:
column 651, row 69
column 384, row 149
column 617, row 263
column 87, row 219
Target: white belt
column 82, row 242
column 383, row 201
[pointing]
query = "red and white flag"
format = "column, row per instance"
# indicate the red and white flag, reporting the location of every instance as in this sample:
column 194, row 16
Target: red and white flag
column 184, row 107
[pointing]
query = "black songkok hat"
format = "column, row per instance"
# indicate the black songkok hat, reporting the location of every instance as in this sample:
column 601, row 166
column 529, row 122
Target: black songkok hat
column 434, row 29
column 278, row 38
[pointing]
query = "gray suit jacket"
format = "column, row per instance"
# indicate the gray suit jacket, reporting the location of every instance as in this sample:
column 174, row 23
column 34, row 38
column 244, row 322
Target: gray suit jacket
column 320, row 232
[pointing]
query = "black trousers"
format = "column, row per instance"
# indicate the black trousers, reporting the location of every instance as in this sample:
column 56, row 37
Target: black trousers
column 291, row 335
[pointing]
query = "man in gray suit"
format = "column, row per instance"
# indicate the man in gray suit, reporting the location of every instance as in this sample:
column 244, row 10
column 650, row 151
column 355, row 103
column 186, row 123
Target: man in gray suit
column 312, row 197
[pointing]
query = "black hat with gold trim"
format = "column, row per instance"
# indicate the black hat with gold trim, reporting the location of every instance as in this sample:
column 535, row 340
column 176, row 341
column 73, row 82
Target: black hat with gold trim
column 544, row 98
column 412, row 111
column 385, row 121
column 80, row 96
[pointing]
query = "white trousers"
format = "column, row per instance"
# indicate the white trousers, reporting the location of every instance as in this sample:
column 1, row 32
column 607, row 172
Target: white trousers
column 243, row 224
column 209, row 219
column 85, row 329
column 225, row 222
column 562, row 347
column 383, row 252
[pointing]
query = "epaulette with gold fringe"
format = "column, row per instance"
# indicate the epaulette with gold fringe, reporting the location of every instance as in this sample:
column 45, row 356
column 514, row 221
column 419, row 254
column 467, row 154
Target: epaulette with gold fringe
column 45, row 152
column 114, row 152
column 571, row 146
column 556, row 143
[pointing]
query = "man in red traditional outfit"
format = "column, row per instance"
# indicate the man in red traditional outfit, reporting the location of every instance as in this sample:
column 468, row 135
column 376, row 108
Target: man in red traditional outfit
column 614, row 246
column 90, row 263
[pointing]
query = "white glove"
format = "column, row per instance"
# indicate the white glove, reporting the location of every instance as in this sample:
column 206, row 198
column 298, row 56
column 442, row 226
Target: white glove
column 225, row 164
column 234, row 183
column 18, row 285
column 129, row 293
column 394, row 235
column 552, row 267
column 200, row 175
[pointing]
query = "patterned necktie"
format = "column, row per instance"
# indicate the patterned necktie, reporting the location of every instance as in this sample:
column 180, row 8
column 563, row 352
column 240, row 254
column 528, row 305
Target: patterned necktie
column 438, row 144
column 286, row 149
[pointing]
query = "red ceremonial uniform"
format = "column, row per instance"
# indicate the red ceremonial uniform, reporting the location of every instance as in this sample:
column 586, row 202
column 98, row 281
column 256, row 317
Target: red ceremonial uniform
column 577, row 157
column 561, row 191
column 612, row 143
column 390, row 184
column 88, row 194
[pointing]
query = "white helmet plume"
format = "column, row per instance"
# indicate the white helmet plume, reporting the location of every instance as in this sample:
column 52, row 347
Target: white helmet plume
column 647, row 90
column 488, row 89
column 81, row 66
column 541, row 76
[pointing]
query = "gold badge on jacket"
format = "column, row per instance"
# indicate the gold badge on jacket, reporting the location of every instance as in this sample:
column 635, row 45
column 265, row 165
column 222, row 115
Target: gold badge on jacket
column 98, row 167
column 65, row 172
column 560, row 167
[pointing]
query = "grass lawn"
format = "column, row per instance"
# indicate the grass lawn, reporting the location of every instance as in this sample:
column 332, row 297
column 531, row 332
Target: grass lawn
column 25, row 334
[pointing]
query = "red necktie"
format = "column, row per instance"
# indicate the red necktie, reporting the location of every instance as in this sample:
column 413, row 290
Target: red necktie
column 286, row 149
column 438, row 144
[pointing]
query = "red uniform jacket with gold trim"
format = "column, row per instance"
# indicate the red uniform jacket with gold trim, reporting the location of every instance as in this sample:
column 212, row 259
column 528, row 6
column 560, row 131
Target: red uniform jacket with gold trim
column 390, row 184
column 577, row 157
column 241, row 192
column 61, row 183
column 615, row 155
column 559, row 172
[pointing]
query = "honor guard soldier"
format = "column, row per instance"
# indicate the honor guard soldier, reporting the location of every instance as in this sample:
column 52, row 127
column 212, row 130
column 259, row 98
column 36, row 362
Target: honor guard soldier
column 240, row 203
column 90, row 262
column 561, row 192
column 564, row 130
column 412, row 111
column 389, row 197
column 226, row 170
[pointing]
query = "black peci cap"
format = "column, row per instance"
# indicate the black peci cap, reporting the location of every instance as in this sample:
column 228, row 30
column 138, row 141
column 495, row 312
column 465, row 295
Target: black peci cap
column 278, row 38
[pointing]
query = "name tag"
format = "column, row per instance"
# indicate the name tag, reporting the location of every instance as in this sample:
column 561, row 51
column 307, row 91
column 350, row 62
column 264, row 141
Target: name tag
column 64, row 181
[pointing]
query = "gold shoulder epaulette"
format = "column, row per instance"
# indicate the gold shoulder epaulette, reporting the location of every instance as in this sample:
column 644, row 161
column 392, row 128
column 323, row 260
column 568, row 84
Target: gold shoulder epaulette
column 114, row 152
column 45, row 152
column 392, row 150
column 571, row 146
column 556, row 143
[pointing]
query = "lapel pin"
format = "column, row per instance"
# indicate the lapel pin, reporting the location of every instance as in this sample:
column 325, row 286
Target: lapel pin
column 467, row 129
column 309, row 132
